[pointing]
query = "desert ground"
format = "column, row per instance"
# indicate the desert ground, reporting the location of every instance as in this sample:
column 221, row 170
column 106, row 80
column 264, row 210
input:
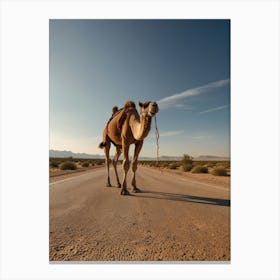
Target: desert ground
column 178, row 216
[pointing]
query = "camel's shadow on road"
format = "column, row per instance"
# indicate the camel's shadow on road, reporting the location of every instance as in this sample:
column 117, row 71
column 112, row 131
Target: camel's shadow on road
column 182, row 197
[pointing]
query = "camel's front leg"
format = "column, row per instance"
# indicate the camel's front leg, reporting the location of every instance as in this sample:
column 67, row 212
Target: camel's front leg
column 138, row 147
column 115, row 162
column 125, row 148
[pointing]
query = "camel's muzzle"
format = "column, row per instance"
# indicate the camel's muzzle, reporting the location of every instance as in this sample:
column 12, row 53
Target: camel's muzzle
column 153, row 109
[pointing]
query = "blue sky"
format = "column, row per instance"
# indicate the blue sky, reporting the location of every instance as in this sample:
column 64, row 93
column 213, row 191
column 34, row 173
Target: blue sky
column 184, row 65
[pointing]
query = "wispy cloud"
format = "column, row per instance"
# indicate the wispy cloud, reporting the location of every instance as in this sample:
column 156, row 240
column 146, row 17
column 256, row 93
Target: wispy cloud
column 213, row 109
column 173, row 99
column 171, row 133
column 201, row 136
column 183, row 106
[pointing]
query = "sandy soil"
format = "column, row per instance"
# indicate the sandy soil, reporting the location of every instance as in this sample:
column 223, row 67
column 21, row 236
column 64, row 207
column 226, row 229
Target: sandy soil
column 207, row 178
column 175, row 218
column 55, row 174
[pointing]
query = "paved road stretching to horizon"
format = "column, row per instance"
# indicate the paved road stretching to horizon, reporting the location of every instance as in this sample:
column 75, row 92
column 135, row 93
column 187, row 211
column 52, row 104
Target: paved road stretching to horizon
column 172, row 219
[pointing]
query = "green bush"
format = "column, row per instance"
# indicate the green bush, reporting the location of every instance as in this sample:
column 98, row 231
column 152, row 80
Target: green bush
column 85, row 164
column 199, row 169
column 219, row 171
column 68, row 165
column 186, row 167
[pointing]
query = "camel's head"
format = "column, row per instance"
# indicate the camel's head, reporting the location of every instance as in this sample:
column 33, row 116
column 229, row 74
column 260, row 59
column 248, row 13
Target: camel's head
column 148, row 108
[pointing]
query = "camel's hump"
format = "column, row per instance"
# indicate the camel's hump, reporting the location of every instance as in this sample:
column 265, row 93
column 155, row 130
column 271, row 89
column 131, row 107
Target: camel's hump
column 129, row 104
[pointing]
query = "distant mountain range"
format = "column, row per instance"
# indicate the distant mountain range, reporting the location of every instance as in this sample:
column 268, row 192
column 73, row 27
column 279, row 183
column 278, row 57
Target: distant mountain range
column 207, row 157
column 64, row 154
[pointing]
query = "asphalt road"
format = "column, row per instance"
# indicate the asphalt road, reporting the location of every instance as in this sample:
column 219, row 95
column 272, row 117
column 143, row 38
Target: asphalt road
column 172, row 219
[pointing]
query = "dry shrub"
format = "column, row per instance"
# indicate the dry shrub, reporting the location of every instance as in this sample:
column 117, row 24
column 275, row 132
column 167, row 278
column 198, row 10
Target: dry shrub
column 219, row 171
column 85, row 164
column 186, row 167
column 173, row 166
column 199, row 169
column 54, row 164
column 68, row 165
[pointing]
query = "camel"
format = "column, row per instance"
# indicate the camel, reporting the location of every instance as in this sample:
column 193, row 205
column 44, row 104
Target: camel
column 127, row 127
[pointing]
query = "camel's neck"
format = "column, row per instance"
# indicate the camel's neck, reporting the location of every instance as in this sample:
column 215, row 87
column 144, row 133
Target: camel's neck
column 140, row 125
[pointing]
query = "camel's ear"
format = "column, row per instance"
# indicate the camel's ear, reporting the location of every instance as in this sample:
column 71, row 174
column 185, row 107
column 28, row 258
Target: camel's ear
column 140, row 104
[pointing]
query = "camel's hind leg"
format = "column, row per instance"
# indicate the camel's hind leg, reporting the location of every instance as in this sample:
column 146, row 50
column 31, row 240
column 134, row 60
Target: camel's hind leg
column 138, row 147
column 115, row 162
column 107, row 161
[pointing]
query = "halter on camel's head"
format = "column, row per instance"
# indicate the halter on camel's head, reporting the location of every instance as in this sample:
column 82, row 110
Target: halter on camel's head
column 149, row 108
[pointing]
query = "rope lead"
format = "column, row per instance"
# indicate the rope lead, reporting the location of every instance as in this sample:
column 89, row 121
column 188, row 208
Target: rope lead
column 157, row 140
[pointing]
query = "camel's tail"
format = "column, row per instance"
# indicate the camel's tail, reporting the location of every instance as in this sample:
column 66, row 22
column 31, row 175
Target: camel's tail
column 102, row 145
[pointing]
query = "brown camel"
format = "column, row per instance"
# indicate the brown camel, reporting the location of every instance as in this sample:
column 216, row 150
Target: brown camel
column 124, row 128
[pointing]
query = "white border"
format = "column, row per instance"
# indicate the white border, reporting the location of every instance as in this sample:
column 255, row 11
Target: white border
column 254, row 131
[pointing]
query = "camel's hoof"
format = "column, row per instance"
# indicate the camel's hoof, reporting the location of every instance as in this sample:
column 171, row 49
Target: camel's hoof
column 108, row 185
column 136, row 190
column 119, row 185
column 124, row 192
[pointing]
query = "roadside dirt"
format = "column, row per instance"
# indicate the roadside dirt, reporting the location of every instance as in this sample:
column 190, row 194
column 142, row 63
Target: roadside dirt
column 56, row 174
column 206, row 178
column 170, row 220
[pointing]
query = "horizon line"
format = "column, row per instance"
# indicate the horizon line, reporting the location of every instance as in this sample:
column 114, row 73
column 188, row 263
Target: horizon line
column 103, row 155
